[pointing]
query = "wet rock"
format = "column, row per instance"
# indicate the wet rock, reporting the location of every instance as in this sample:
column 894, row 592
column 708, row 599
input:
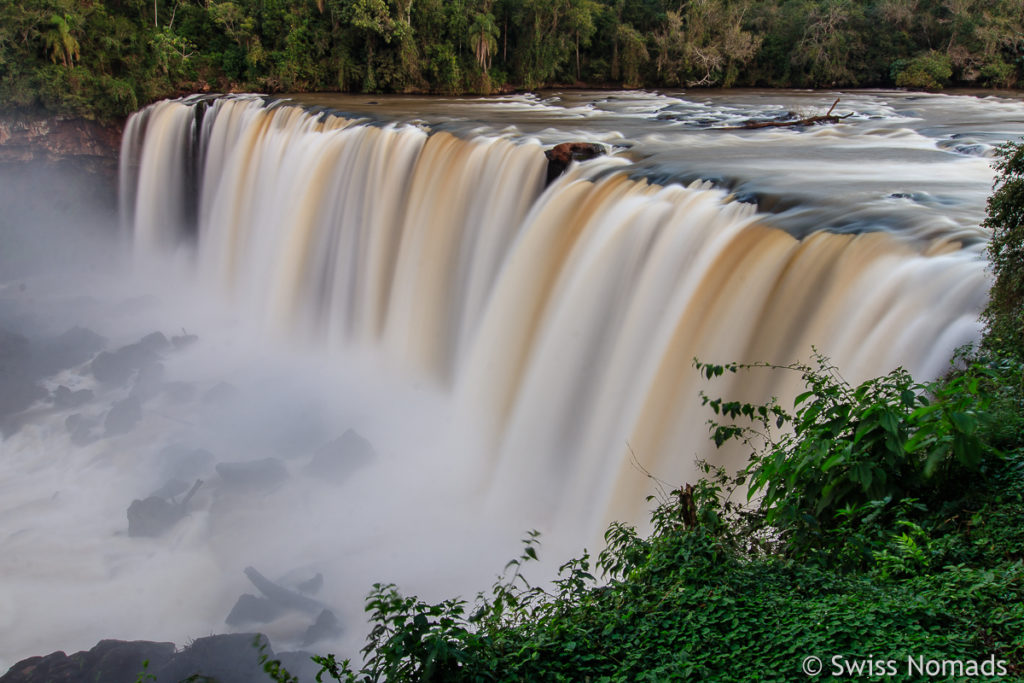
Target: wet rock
column 337, row 460
column 325, row 626
column 155, row 515
column 251, row 609
column 28, row 138
column 64, row 398
column 560, row 156
column 17, row 394
column 152, row 517
column 14, row 352
column 81, row 427
column 232, row 658
column 300, row 664
column 117, row 367
column 110, row 661
column 148, row 381
column 184, row 340
column 18, row 387
column 67, row 350
column 254, row 475
column 155, row 342
column 123, row 416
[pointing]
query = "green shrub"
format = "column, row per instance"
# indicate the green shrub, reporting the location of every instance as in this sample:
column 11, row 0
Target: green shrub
column 998, row 74
column 846, row 454
column 1004, row 314
column 928, row 71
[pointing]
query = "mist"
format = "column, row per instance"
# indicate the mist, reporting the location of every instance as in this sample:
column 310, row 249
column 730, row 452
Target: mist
column 184, row 390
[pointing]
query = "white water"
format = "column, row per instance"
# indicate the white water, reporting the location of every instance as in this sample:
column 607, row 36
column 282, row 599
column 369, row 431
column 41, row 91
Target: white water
column 507, row 348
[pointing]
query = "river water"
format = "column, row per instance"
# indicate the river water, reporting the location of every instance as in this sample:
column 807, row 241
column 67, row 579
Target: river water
column 519, row 356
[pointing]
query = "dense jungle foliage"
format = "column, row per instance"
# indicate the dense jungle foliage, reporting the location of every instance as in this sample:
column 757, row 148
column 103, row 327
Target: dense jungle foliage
column 105, row 58
column 875, row 534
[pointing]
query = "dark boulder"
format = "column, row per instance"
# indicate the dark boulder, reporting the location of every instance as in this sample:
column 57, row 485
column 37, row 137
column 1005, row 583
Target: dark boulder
column 184, row 340
column 337, row 460
column 155, row 515
column 231, row 658
column 82, row 428
column 234, row 658
column 251, row 609
column 152, row 516
column 325, row 626
column 148, row 381
column 560, row 156
column 300, row 664
column 67, row 350
column 155, row 342
column 117, row 367
column 110, row 661
column 14, row 352
column 123, row 416
column 18, row 387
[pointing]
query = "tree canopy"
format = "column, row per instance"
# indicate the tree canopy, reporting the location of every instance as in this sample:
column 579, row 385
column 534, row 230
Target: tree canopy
column 105, row 58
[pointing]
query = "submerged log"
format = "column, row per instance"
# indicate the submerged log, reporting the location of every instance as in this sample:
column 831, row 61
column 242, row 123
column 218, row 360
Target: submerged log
column 808, row 121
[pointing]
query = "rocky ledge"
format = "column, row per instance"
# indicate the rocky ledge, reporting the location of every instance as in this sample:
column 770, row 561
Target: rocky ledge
column 234, row 658
column 32, row 138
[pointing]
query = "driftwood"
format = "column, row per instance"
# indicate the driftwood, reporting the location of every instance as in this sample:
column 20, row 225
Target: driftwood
column 809, row 121
column 280, row 595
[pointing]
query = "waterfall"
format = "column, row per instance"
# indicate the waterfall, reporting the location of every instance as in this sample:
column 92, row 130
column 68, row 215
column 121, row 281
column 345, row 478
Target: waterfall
column 562, row 320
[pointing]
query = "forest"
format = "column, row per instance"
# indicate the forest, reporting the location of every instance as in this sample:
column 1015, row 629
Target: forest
column 102, row 59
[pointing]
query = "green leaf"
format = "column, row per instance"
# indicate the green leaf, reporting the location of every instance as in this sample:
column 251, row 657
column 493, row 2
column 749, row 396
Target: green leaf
column 836, row 459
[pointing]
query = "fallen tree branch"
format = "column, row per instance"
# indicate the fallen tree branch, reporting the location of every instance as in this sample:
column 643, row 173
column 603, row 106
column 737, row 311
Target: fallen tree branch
column 809, row 121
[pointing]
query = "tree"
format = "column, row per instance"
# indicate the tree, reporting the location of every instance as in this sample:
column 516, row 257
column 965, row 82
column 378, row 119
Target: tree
column 581, row 22
column 59, row 41
column 483, row 35
column 705, row 45
column 1004, row 314
column 829, row 42
column 631, row 50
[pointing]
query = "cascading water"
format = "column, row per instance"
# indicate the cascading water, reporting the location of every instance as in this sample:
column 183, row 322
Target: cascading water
column 564, row 319
column 517, row 352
